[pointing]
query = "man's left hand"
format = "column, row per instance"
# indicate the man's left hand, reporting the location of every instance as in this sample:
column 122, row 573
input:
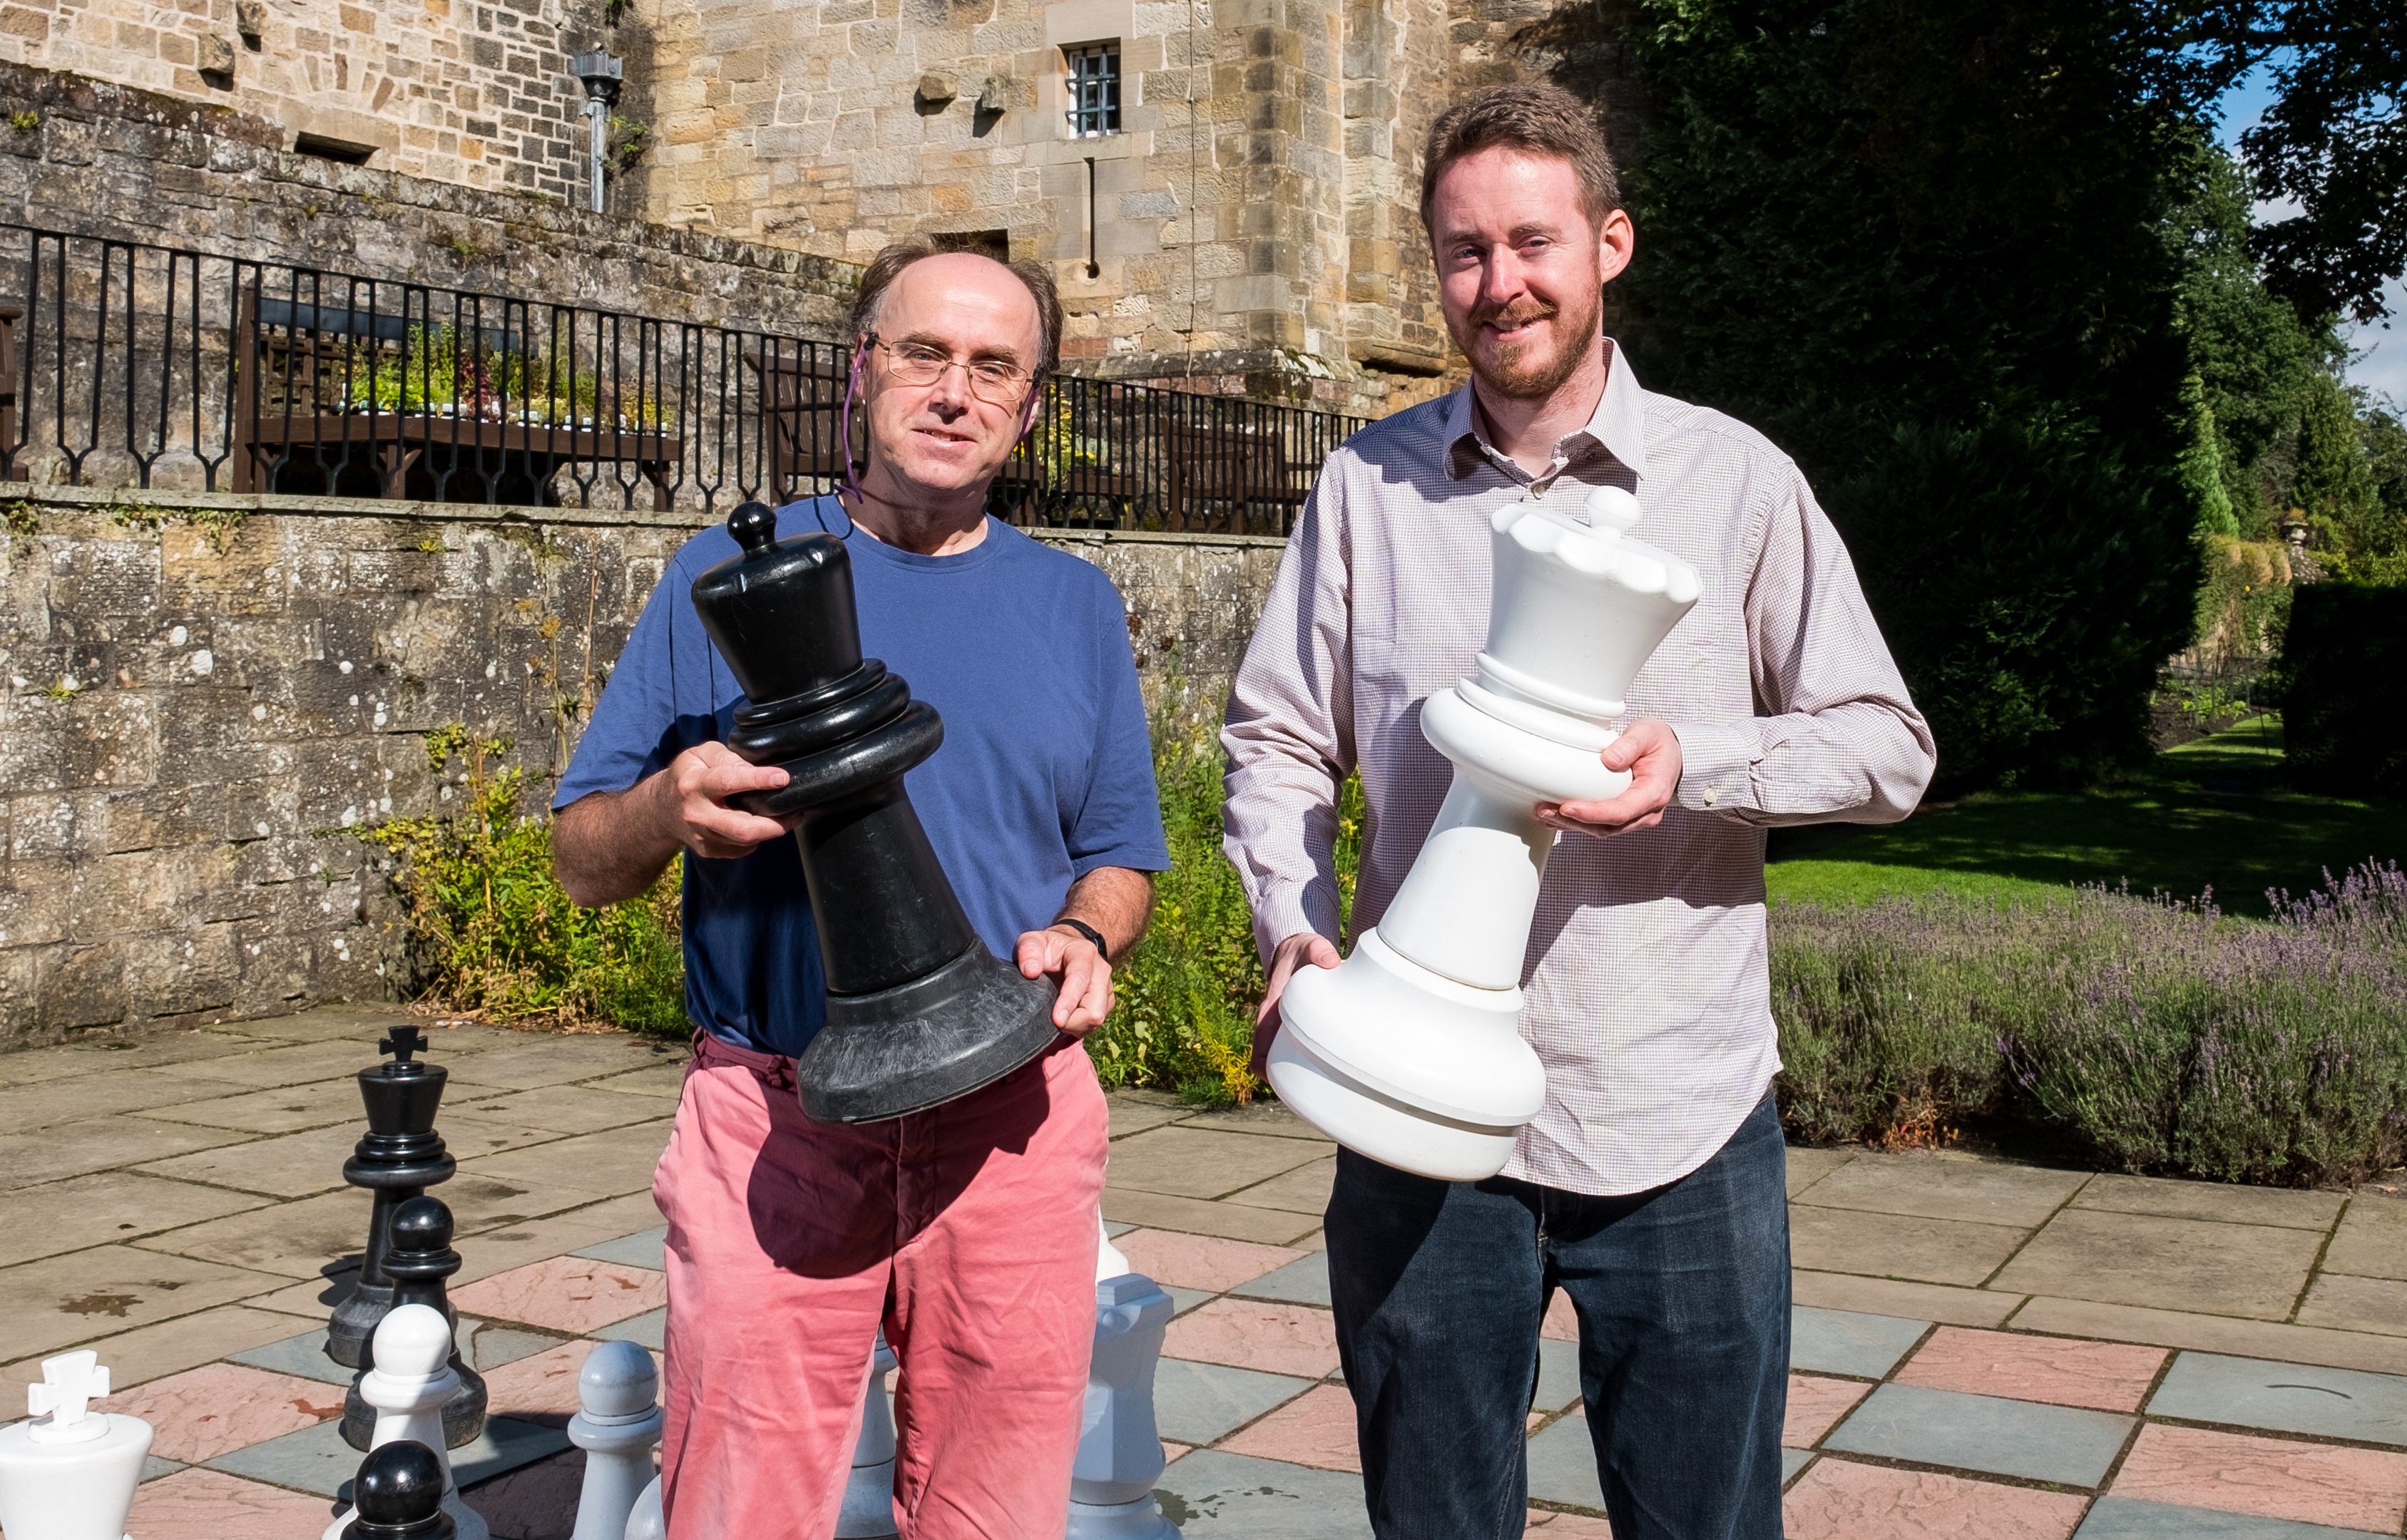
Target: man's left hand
column 1086, row 975
column 1650, row 752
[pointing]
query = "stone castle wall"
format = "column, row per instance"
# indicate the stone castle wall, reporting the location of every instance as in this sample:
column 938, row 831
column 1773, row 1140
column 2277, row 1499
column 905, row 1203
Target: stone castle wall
column 199, row 698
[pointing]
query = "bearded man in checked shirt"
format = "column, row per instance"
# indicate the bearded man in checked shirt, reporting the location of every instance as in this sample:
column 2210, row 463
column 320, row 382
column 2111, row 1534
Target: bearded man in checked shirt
column 1650, row 1188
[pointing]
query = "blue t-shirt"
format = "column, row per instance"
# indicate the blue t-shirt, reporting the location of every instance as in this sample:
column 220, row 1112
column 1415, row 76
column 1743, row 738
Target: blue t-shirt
column 1046, row 772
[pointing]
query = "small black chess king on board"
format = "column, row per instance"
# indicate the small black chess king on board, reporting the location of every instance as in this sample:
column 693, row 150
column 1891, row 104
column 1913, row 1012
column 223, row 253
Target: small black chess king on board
column 919, row 1011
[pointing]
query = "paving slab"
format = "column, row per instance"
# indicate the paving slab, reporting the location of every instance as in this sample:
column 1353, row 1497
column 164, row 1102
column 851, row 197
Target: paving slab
column 542, row 1060
column 1184, row 1161
column 1316, row 1429
column 302, row 1354
column 610, row 1163
column 2357, row 1304
column 494, row 1346
column 1923, row 1250
column 1814, row 1405
column 1302, row 1190
column 2124, row 1519
column 48, row 1103
column 644, row 1249
column 193, row 1504
column 2213, row 1334
column 2253, row 1270
column 2302, row 1398
column 64, row 1061
column 101, row 1144
column 1808, row 1166
column 650, row 1330
column 2067, row 1444
column 1202, row 1403
column 316, row 1460
column 1792, row 1461
column 1889, row 1296
column 1847, row 1500
column 1204, row 1217
column 150, row 1352
column 2107, row 1376
column 104, row 1208
column 82, row 1295
column 291, row 1064
column 284, row 1109
column 1260, row 1116
column 1129, row 1116
column 1558, row 1375
column 289, row 1166
column 1940, row 1186
column 1302, row 1282
column 1266, row 1335
column 2286, row 1478
column 2372, row 1239
column 2223, row 1202
column 662, row 1081
column 561, row 1108
column 1211, row 1496
column 499, row 1248
column 1842, row 1342
column 1563, row 1465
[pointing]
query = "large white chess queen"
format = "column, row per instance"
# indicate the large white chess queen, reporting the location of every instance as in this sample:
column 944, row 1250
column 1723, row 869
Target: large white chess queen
column 1411, row 1052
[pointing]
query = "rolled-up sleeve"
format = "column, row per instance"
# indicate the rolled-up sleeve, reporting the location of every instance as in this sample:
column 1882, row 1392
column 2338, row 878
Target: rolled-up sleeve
column 1838, row 739
column 1288, row 733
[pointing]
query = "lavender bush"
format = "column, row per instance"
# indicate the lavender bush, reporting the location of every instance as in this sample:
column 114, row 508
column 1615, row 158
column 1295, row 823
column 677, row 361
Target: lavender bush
column 2164, row 1037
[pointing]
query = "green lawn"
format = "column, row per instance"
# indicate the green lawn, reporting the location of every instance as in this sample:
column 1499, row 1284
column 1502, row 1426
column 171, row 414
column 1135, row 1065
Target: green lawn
column 2212, row 814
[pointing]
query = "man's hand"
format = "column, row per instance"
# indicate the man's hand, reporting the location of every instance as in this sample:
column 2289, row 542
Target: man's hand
column 1650, row 752
column 690, row 800
column 1086, row 975
column 1304, row 947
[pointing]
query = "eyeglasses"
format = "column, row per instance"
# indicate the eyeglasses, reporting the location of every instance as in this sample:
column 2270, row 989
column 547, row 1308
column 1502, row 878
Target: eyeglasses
column 992, row 380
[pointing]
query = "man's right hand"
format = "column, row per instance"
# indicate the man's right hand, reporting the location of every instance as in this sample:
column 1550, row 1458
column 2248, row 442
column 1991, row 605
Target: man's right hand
column 690, row 796
column 1305, row 947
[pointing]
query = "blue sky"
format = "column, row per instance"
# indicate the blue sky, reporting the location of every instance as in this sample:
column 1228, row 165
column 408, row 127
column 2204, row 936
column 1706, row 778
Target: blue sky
column 2381, row 350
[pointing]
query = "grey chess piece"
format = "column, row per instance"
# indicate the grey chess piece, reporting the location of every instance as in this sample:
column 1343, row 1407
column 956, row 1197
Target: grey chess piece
column 617, row 1422
column 868, row 1511
column 647, row 1522
column 1120, row 1451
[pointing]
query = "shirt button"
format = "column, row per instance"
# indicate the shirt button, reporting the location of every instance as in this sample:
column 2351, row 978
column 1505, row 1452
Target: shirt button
column 1709, row 795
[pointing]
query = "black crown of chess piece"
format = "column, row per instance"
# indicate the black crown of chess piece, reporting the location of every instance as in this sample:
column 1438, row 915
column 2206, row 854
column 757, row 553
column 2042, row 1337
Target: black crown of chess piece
column 919, row 1011
column 398, row 1495
column 419, row 1260
column 401, row 1157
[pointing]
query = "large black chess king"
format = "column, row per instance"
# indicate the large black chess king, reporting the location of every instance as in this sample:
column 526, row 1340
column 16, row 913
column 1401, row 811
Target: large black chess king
column 919, row 1011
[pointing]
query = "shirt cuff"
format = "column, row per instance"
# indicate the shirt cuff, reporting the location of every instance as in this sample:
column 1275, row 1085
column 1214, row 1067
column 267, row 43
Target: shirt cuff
column 1279, row 912
column 1716, row 765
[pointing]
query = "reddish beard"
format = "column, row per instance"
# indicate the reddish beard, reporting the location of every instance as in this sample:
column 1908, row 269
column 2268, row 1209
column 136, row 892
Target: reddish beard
column 1518, row 370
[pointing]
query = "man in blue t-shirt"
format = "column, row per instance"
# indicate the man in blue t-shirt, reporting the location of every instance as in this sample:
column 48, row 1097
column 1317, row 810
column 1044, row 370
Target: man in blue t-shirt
column 967, row 1230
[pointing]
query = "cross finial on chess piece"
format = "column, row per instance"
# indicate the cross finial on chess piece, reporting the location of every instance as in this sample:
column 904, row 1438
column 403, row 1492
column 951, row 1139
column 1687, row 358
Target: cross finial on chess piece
column 401, row 1043
column 70, row 1383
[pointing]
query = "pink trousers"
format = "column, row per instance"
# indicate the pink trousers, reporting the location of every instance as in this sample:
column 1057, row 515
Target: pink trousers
column 967, row 1230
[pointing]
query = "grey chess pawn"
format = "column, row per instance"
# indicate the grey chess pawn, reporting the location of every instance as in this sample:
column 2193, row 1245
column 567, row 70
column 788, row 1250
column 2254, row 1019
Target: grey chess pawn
column 418, row 1261
column 399, row 1492
column 408, row 1387
column 401, row 1157
column 1119, row 1449
column 647, row 1522
column 617, row 1424
column 868, row 1511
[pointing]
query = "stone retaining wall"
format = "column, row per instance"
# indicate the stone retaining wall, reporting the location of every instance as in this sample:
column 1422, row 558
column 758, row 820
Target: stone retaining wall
column 198, row 698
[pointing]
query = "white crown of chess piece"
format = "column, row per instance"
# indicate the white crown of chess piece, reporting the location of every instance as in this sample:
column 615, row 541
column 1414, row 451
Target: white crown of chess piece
column 70, row 1473
column 1410, row 1051
column 617, row 1422
column 647, row 1522
column 1119, row 1446
column 410, row 1381
column 868, row 1510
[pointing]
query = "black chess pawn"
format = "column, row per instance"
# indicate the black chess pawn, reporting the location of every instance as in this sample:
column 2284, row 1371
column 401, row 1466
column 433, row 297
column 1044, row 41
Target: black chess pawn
column 401, row 1157
column 420, row 1260
column 919, row 1011
column 399, row 1496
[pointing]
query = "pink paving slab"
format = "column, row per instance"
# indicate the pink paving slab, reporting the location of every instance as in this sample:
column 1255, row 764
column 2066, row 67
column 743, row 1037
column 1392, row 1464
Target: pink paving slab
column 1199, row 1262
column 535, row 1502
column 565, row 1294
column 1562, row 1321
column 2113, row 1376
column 1170, row 1451
column 541, row 1388
column 1840, row 1500
column 1815, row 1404
column 1246, row 1333
column 2267, row 1477
column 1565, row 1526
column 1317, row 1428
column 220, row 1407
column 198, row 1504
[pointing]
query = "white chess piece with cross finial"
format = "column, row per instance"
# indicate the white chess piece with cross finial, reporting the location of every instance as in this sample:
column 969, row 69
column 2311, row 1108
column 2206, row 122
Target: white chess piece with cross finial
column 70, row 1473
column 1119, row 1449
column 408, row 1385
column 1410, row 1051
column 617, row 1422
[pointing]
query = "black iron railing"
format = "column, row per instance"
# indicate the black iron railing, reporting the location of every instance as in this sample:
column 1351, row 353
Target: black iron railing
column 129, row 365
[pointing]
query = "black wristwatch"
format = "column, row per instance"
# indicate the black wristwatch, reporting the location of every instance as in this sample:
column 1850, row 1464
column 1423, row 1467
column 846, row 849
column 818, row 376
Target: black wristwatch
column 1089, row 932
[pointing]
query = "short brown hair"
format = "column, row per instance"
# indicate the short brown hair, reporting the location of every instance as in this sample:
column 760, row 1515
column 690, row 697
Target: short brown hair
column 1536, row 119
column 889, row 264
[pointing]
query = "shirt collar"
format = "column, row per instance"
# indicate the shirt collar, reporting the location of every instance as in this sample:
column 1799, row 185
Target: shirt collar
column 1619, row 424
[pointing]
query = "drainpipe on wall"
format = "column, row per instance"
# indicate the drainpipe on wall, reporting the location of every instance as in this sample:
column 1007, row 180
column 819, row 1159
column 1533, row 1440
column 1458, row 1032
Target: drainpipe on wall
column 601, row 70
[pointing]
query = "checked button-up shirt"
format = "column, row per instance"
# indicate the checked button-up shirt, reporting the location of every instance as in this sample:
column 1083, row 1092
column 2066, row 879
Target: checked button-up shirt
column 1648, row 978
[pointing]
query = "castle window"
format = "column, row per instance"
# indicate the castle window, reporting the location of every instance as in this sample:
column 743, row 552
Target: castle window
column 1094, row 90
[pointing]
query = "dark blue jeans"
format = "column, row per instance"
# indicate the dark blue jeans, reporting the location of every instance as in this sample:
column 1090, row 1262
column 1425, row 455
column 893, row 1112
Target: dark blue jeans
column 1682, row 1295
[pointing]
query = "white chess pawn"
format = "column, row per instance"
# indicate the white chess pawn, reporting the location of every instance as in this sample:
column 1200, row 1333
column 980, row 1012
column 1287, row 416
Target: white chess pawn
column 868, row 1511
column 647, row 1522
column 70, row 1473
column 1119, row 1449
column 617, row 1425
column 408, row 1387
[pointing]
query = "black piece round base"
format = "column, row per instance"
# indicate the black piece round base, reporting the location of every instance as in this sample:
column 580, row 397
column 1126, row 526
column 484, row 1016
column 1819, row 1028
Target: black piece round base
column 902, row 1049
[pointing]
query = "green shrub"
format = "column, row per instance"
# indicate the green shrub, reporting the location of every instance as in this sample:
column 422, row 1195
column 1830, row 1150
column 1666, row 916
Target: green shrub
column 2153, row 1035
column 491, row 934
column 2344, row 652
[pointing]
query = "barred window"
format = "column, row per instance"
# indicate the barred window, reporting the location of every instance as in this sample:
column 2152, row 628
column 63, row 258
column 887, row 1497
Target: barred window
column 1094, row 90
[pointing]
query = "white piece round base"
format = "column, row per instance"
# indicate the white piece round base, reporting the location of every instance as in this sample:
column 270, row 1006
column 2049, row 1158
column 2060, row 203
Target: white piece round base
column 1139, row 1520
column 80, row 1491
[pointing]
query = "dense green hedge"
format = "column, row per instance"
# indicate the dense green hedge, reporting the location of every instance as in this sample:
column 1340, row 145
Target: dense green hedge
column 2343, row 685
